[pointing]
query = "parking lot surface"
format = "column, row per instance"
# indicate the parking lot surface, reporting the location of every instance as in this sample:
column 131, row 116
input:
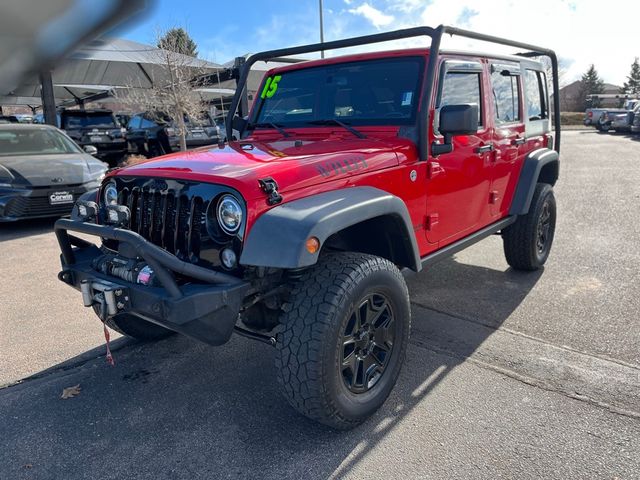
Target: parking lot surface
column 508, row 374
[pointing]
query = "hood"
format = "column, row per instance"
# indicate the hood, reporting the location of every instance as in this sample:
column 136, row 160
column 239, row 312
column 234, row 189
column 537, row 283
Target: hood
column 52, row 170
column 292, row 163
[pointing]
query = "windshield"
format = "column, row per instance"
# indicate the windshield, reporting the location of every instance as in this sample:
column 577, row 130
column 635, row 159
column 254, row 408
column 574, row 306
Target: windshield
column 88, row 121
column 25, row 141
column 370, row 92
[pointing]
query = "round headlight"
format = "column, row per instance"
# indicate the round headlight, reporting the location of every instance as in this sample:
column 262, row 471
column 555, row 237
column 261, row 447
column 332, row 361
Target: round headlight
column 110, row 194
column 229, row 214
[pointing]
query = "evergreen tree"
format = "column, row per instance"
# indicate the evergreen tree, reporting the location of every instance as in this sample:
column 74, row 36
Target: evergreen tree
column 590, row 84
column 632, row 86
column 178, row 40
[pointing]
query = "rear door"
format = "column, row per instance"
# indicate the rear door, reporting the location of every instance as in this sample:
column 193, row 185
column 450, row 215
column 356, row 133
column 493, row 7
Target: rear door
column 508, row 133
column 458, row 182
column 537, row 134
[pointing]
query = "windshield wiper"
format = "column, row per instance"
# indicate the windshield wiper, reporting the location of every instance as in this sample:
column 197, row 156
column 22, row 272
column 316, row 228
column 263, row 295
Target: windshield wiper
column 281, row 130
column 333, row 121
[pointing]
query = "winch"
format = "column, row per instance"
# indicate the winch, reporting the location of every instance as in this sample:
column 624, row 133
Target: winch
column 131, row 270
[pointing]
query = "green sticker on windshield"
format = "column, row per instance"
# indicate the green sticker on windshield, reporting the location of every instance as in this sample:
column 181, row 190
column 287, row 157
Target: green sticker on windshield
column 270, row 86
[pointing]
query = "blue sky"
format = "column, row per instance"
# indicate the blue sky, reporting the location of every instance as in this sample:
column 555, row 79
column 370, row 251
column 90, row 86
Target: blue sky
column 224, row 30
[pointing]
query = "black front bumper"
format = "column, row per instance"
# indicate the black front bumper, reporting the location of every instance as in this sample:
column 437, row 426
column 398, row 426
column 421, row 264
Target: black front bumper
column 206, row 309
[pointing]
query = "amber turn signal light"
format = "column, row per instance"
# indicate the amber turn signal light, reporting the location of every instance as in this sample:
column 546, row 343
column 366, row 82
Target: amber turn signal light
column 313, row 244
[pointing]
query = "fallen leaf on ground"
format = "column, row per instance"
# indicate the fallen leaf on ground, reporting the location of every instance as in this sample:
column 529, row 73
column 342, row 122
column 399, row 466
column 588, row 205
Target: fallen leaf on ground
column 70, row 392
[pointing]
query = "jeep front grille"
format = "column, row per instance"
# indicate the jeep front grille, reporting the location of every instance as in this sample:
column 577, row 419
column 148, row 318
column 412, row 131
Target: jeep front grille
column 168, row 219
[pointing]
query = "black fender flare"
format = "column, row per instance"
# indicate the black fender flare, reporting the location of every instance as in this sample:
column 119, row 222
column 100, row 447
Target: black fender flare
column 278, row 237
column 533, row 165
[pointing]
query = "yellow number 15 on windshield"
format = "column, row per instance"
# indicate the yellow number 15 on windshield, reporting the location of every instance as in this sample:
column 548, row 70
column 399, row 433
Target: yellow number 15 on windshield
column 270, row 87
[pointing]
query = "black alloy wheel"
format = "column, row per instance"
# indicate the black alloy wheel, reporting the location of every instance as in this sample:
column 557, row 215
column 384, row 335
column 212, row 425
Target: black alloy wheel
column 367, row 343
column 544, row 228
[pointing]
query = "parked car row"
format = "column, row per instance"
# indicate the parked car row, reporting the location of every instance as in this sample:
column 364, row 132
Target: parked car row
column 44, row 170
column 156, row 134
column 618, row 119
column 622, row 122
column 19, row 118
column 148, row 134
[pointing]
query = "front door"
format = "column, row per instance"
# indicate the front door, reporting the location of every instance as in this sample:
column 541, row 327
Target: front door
column 458, row 182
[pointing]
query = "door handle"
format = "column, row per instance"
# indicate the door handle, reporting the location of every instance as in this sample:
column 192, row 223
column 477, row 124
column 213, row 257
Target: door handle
column 519, row 141
column 484, row 148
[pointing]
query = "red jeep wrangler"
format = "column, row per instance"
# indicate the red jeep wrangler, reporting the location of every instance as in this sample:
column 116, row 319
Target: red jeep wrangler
column 348, row 170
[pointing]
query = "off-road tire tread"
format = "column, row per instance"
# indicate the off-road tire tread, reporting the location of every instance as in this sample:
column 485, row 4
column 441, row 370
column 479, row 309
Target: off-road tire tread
column 307, row 316
column 518, row 237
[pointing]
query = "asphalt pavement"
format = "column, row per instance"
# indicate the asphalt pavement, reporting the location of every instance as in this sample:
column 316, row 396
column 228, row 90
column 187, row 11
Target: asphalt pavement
column 509, row 374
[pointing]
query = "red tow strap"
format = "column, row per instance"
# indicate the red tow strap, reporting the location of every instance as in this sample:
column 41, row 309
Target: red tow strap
column 107, row 337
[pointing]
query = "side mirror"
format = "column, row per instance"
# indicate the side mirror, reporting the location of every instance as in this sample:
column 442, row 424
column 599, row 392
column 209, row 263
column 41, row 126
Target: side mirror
column 455, row 120
column 90, row 149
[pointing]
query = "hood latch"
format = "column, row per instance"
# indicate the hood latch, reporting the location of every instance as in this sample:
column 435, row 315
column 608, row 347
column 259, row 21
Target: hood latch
column 270, row 187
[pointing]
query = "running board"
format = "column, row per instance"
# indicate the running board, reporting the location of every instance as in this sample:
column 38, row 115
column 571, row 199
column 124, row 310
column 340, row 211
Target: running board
column 465, row 242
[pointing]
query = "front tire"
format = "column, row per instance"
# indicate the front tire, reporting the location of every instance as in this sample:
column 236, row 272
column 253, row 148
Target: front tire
column 527, row 242
column 343, row 338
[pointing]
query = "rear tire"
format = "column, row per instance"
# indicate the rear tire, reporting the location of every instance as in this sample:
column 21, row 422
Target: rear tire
column 527, row 242
column 137, row 328
column 343, row 338
column 154, row 150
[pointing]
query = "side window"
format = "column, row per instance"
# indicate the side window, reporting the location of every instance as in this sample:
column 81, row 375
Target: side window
column 506, row 98
column 462, row 87
column 146, row 123
column 536, row 96
column 134, row 122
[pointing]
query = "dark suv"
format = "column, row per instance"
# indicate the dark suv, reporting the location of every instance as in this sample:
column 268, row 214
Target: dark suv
column 347, row 171
column 99, row 128
column 152, row 135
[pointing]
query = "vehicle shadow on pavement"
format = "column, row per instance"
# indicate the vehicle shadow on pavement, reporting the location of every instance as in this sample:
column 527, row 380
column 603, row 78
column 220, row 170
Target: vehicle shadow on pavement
column 25, row 228
column 181, row 409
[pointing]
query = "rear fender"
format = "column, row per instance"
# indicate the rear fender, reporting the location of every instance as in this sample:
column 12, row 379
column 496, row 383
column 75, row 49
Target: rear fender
column 542, row 165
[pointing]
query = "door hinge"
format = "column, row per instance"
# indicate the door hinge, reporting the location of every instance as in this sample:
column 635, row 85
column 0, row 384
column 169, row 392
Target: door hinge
column 270, row 187
column 431, row 221
column 434, row 169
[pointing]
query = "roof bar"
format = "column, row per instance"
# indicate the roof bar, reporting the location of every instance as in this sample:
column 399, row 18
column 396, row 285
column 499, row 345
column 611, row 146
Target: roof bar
column 427, row 87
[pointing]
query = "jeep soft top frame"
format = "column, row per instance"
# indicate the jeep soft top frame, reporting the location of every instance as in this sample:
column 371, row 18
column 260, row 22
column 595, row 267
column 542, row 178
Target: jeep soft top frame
column 427, row 87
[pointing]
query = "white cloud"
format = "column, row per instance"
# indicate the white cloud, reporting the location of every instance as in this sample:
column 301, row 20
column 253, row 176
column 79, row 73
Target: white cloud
column 581, row 32
column 376, row 17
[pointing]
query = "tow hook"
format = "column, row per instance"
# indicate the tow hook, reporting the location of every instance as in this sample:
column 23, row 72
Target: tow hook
column 270, row 187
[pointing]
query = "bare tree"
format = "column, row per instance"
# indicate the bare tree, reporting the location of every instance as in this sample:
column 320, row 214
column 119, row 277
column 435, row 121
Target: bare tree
column 172, row 92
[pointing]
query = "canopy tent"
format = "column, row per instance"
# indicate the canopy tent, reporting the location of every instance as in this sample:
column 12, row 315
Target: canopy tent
column 100, row 68
column 65, row 95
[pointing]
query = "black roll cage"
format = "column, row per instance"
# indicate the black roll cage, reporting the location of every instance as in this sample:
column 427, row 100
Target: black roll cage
column 427, row 86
